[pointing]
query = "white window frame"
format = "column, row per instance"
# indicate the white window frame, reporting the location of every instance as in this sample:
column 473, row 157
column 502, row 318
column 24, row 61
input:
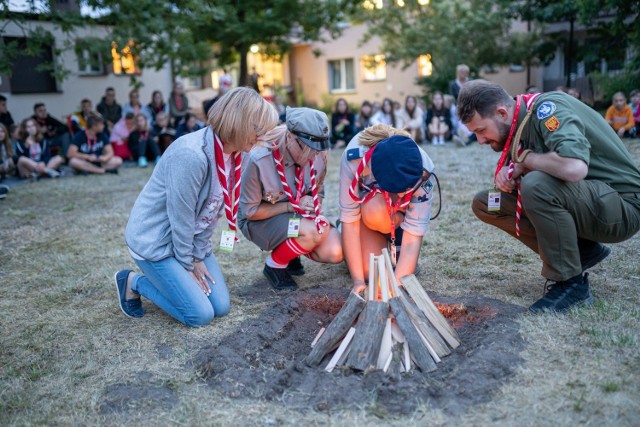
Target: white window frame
column 343, row 76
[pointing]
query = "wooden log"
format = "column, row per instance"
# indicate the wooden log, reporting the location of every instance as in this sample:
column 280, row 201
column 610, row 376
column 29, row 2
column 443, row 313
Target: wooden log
column 418, row 318
column 392, row 276
column 320, row 332
column 342, row 351
column 366, row 344
column 396, row 333
column 422, row 300
column 407, row 356
column 336, row 329
column 384, row 280
column 418, row 350
column 372, row 277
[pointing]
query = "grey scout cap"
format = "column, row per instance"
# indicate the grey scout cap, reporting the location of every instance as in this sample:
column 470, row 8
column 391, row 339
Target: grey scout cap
column 310, row 126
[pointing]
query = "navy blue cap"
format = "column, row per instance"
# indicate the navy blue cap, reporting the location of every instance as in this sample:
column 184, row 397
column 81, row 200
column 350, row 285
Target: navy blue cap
column 396, row 164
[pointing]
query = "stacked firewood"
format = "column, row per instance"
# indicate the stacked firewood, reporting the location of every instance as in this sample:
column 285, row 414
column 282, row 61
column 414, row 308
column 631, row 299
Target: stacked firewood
column 394, row 323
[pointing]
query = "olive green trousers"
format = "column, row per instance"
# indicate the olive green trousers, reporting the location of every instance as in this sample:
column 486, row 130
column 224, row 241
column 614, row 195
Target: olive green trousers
column 562, row 220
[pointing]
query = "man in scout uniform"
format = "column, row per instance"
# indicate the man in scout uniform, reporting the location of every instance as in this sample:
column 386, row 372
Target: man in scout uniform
column 567, row 183
column 280, row 200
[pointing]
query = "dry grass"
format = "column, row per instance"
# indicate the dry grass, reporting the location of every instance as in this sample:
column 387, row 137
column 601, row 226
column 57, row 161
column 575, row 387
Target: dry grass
column 63, row 340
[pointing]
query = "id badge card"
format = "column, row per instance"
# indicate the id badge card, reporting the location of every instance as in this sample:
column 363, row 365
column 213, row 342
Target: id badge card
column 294, row 227
column 227, row 240
column 494, row 201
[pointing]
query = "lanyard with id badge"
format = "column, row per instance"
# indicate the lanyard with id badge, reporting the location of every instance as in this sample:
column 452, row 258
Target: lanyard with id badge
column 230, row 188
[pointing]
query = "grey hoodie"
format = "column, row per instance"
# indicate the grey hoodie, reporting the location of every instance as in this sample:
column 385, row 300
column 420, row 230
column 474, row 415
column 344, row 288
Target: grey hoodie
column 163, row 220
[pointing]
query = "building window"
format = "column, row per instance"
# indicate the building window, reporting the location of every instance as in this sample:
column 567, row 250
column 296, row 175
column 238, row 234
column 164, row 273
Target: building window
column 123, row 62
column 341, row 76
column 89, row 60
column 425, row 67
column 31, row 73
column 374, row 68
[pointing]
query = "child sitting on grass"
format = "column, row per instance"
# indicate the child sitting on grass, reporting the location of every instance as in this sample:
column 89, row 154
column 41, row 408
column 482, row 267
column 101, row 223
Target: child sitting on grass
column 620, row 116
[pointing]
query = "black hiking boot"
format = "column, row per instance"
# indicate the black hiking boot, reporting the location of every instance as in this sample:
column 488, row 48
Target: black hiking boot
column 561, row 296
column 295, row 267
column 279, row 278
column 592, row 253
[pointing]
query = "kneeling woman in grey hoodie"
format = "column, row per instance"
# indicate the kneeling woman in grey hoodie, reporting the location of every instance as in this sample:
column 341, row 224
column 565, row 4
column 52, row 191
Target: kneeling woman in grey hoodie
column 172, row 221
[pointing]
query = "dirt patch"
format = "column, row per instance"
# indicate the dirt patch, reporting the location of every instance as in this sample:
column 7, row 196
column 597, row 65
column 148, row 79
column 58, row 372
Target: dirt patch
column 143, row 393
column 263, row 359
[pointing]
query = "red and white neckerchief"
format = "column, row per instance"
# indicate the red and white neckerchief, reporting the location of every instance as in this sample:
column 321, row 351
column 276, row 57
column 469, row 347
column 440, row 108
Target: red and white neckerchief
column 35, row 152
column 295, row 201
column 91, row 142
column 229, row 187
column 144, row 136
column 392, row 208
column 529, row 99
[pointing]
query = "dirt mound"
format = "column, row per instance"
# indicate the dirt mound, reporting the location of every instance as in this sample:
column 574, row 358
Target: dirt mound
column 263, row 359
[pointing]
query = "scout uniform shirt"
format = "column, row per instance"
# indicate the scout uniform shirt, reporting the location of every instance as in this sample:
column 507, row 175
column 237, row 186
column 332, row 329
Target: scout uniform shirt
column 572, row 129
column 261, row 182
column 416, row 219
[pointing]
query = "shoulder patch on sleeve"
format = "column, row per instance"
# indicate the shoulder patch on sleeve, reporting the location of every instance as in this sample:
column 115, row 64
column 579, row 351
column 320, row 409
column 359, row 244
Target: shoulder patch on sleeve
column 552, row 124
column 353, row 154
column 546, row 109
column 427, row 186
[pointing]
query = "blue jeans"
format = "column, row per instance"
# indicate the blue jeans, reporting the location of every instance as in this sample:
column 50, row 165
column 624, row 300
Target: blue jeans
column 169, row 286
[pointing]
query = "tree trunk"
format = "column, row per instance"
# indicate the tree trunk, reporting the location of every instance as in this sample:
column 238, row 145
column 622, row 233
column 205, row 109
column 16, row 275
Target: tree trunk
column 569, row 61
column 243, row 80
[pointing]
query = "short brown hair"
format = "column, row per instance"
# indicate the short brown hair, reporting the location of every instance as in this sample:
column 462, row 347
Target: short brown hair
column 482, row 97
column 240, row 112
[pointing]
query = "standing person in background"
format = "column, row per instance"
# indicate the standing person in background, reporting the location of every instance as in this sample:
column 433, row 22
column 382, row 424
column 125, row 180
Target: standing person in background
column 281, row 198
column 386, row 188
column 109, row 109
column 386, row 115
column 438, row 120
column 157, row 105
column 56, row 133
column 620, row 116
column 342, row 121
column 178, row 104
column 79, row 119
column 5, row 115
column 90, row 151
column 462, row 76
column 33, row 153
column 567, row 181
column 363, row 120
column 412, row 118
column 142, row 145
column 170, row 227
column 7, row 166
column 225, row 81
column 254, row 80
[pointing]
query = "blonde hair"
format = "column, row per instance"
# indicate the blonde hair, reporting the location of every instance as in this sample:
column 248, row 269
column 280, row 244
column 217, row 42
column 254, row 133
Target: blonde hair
column 374, row 134
column 239, row 113
column 280, row 135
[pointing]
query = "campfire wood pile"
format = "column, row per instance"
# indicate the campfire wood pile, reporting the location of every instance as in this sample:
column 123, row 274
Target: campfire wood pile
column 396, row 324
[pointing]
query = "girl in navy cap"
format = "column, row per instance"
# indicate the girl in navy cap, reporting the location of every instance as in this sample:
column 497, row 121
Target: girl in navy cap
column 386, row 187
column 280, row 199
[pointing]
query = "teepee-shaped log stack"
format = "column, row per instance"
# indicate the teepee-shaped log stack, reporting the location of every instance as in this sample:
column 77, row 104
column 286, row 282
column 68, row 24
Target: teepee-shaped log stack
column 395, row 323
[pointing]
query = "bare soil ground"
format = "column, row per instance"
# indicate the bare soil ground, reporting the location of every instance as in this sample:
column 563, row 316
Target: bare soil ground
column 68, row 355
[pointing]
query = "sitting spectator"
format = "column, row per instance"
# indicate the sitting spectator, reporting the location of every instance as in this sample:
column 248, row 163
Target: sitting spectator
column 532, row 89
column 79, row 119
column 574, row 92
column 620, row 116
column 363, row 120
column 109, row 108
column 157, row 105
column 133, row 106
column 119, row 137
column 178, row 103
column 7, row 167
column 386, row 115
column 5, row 115
column 438, row 120
column 342, row 124
column 460, row 133
column 208, row 104
column 141, row 142
column 634, row 97
column 33, row 156
column 412, row 117
column 90, row 151
column 56, row 133
column 462, row 76
column 189, row 124
column 280, row 108
column 163, row 134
